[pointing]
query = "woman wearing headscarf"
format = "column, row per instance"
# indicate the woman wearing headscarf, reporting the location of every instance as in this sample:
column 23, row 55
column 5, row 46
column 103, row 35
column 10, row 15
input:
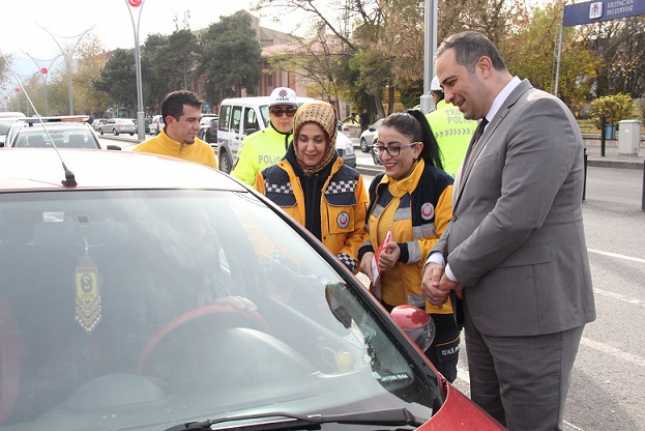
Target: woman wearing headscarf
column 313, row 185
column 412, row 201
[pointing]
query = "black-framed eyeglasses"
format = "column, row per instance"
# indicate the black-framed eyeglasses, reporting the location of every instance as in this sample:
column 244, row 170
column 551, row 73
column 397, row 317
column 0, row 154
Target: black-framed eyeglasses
column 280, row 112
column 393, row 149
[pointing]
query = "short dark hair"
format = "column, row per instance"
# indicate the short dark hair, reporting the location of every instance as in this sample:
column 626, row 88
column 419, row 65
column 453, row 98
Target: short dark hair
column 414, row 125
column 469, row 47
column 173, row 103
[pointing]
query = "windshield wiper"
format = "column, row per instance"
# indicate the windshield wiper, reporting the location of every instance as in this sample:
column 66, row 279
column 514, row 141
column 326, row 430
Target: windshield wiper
column 283, row 420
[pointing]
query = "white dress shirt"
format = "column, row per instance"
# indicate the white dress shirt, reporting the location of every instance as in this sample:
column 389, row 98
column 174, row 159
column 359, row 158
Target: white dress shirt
column 499, row 100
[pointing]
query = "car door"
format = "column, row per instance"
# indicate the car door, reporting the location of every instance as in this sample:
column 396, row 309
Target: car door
column 236, row 130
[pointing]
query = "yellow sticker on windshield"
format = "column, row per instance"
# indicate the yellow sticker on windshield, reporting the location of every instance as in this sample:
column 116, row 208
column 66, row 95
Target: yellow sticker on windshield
column 88, row 294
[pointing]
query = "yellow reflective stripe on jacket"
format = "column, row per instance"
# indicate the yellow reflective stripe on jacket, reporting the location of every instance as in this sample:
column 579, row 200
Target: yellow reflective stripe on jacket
column 453, row 133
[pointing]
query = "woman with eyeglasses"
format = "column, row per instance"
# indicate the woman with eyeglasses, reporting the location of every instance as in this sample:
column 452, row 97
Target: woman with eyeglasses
column 412, row 201
column 314, row 186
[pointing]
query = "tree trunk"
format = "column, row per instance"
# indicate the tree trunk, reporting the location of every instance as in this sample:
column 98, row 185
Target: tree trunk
column 377, row 106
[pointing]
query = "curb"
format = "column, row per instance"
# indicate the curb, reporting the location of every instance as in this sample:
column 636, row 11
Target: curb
column 620, row 164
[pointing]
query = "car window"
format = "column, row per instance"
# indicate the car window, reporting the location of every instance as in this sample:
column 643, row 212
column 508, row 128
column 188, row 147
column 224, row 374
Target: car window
column 69, row 137
column 264, row 111
column 250, row 121
column 131, row 309
column 224, row 117
column 236, row 119
column 4, row 126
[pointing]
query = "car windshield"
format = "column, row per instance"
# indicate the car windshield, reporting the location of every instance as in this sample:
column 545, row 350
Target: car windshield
column 127, row 309
column 64, row 136
column 4, row 126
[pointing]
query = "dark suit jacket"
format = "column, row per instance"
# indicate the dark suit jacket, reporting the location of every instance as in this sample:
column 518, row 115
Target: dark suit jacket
column 516, row 241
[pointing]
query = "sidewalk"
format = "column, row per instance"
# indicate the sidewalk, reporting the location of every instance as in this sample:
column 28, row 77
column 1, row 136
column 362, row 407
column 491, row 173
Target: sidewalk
column 612, row 159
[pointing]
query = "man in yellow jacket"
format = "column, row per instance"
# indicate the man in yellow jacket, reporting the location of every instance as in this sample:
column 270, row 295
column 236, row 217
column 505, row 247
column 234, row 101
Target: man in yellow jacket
column 268, row 146
column 451, row 130
column 181, row 111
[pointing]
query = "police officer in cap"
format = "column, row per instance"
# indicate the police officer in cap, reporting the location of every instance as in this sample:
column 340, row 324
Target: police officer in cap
column 268, row 146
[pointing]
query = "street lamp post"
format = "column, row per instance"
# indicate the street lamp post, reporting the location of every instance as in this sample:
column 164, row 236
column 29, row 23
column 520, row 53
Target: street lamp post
column 132, row 4
column 429, row 49
column 68, row 56
column 44, row 71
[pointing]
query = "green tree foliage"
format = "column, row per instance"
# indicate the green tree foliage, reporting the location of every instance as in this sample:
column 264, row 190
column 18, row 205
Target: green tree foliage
column 181, row 57
column 155, row 69
column 621, row 44
column 230, row 57
column 91, row 61
column 611, row 108
column 494, row 18
column 383, row 40
column 168, row 63
column 118, row 79
column 530, row 54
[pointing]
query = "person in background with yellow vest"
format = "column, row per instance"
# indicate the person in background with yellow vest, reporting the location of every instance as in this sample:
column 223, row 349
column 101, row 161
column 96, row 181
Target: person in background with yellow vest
column 268, row 146
column 314, row 186
column 451, row 130
column 413, row 201
column 181, row 111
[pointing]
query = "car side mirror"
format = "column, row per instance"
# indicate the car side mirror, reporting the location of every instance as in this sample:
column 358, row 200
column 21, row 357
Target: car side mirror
column 114, row 147
column 416, row 324
column 336, row 300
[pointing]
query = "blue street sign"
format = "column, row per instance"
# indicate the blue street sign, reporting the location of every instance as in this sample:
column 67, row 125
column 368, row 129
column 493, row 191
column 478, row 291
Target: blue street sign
column 601, row 10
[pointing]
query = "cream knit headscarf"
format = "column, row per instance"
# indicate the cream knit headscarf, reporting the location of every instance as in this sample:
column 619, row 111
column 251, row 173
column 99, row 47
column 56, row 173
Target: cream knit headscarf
column 322, row 114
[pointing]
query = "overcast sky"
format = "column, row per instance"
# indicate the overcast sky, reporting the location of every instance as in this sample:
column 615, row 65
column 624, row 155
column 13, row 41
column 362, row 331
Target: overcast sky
column 21, row 20
column 20, row 27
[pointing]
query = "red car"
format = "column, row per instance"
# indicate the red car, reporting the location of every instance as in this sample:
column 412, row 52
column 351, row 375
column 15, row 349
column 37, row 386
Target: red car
column 140, row 293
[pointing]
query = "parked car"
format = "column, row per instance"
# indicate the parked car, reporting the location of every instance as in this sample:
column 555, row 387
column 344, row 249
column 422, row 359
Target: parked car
column 152, row 293
column 98, row 122
column 208, row 128
column 6, row 120
column 117, row 126
column 71, row 133
column 156, row 124
column 369, row 135
column 239, row 117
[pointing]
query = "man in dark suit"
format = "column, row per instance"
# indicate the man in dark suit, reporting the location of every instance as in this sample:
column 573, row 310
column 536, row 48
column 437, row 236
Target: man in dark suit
column 515, row 248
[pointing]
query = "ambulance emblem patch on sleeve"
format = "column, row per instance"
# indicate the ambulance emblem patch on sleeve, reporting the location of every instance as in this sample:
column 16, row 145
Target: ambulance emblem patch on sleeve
column 427, row 211
column 342, row 220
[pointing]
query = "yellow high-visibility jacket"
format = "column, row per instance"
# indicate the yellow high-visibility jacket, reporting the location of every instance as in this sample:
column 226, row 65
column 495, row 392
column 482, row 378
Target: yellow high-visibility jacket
column 198, row 152
column 416, row 209
column 260, row 150
column 342, row 207
column 453, row 133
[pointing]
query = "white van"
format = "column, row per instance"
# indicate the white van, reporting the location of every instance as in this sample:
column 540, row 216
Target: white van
column 239, row 117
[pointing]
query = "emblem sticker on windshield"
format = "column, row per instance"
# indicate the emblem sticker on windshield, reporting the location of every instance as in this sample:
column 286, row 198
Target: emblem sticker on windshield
column 88, row 294
column 343, row 220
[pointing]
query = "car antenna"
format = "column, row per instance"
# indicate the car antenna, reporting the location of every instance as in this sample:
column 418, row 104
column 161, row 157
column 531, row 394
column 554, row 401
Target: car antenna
column 70, row 178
